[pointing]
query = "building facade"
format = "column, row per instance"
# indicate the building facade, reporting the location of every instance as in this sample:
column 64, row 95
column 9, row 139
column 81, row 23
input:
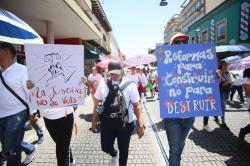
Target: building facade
column 193, row 11
column 226, row 24
column 79, row 22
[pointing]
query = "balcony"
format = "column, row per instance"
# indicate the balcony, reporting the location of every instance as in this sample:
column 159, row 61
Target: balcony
column 86, row 5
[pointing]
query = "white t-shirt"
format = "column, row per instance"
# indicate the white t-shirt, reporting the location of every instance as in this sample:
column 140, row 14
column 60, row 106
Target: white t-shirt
column 130, row 93
column 16, row 77
column 152, row 76
column 95, row 79
column 56, row 113
column 237, row 78
column 143, row 79
column 134, row 78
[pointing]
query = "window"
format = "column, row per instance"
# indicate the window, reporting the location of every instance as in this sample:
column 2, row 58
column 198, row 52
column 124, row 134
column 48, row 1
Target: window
column 221, row 30
column 205, row 36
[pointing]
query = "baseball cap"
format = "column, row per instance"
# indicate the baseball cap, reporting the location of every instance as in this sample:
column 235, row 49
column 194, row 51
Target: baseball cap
column 115, row 67
column 178, row 36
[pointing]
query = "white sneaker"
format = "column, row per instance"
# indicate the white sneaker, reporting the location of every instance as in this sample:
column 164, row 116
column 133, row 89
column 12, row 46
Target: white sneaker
column 207, row 128
column 29, row 158
column 114, row 160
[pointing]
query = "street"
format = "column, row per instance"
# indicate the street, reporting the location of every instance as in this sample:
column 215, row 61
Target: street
column 58, row 54
column 218, row 148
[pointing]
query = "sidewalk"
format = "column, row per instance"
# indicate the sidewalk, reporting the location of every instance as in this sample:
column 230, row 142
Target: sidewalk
column 218, row 148
column 86, row 145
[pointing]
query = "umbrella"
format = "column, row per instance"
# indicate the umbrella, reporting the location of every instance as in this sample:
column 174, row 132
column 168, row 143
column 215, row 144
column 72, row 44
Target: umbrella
column 240, row 65
column 224, row 51
column 141, row 59
column 14, row 30
column 104, row 63
column 232, row 59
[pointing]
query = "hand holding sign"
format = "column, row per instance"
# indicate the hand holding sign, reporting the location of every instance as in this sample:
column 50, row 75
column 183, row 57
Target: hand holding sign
column 56, row 72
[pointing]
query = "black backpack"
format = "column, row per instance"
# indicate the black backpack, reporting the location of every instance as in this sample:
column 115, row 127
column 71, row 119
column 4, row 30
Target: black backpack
column 115, row 113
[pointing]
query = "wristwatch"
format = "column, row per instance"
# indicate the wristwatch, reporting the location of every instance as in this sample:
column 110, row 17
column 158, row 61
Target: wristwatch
column 141, row 126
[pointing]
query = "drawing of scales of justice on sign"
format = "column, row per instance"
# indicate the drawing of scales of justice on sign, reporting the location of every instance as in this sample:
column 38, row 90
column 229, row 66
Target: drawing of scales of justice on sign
column 56, row 68
column 56, row 71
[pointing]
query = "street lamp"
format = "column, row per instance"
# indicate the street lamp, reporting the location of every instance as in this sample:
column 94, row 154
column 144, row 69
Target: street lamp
column 163, row 3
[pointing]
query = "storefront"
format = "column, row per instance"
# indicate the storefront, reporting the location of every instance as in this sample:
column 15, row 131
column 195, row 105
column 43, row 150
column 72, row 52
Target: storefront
column 226, row 24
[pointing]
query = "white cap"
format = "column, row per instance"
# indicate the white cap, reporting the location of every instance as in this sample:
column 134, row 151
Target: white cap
column 140, row 67
column 178, row 36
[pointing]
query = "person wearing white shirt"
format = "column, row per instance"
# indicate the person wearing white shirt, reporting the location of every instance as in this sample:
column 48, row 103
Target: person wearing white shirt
column 177, row 129
column 93, row 81
column 246, row 85
column 152, row 78
column 133, row 76
column 13, row 113
column 132, row 99
column 142, row 82
column 59, row 122
column 237, row 85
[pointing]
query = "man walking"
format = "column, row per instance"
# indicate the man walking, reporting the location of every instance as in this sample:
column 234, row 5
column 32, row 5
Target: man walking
column 13, row 104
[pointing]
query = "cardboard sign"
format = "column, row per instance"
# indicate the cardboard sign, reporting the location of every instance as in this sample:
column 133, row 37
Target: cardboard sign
column 189, row 84
column 56, row 71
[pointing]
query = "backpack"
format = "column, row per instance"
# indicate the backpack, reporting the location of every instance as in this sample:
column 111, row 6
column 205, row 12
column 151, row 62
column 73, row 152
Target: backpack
column 115, row 112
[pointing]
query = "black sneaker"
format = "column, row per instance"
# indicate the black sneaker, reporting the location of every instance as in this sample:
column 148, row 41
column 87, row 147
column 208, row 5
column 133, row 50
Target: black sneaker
column 224, row 126
column 216, row 119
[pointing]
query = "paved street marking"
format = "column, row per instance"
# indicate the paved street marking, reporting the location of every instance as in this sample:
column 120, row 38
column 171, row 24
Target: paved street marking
column 157, row 137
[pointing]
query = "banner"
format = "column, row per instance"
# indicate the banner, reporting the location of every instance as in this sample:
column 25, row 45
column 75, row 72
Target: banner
column 56, row 71
column 189, row 85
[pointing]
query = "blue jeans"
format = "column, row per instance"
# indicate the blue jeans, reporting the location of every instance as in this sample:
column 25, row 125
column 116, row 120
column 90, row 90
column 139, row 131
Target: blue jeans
column 11, row 136
column 123, row 138
column 177, row 130
column 27, row 147
column 37, row 127
column 224, row 98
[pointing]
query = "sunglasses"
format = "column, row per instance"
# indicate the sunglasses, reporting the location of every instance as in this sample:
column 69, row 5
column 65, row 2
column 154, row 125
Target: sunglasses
column 180, row 42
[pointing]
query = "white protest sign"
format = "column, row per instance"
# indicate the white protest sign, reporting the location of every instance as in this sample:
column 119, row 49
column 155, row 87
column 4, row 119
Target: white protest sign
column 56, row 71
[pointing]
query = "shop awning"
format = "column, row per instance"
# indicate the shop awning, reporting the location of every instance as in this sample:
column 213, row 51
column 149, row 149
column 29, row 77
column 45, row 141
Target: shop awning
column 91, row 54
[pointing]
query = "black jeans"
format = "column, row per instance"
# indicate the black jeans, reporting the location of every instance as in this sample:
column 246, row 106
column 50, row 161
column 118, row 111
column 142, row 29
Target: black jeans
column 245, row 130
column 240, row 92
column 60, row 131
column 123, row 138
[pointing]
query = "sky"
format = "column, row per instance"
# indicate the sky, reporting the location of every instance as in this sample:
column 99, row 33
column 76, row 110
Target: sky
column 139, row 24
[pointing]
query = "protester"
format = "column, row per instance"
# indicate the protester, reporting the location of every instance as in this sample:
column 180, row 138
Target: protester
column 59, row 122
column 246, row 85
column 93, row 81
column 14, row 110
column 142, row 82
column 117, row 116
column 225, row 88
column 177, row 128
column 237, row 85
column 151, row 80
column 133, row 76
